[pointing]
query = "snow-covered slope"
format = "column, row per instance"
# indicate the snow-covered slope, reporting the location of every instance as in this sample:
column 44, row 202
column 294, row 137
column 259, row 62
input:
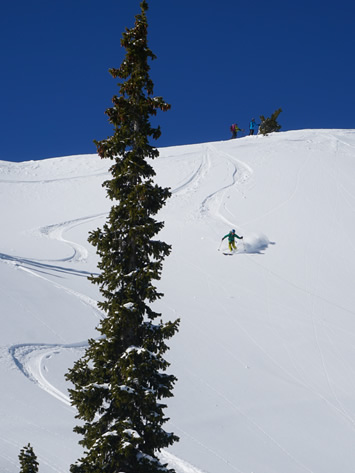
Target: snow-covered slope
column 266, row 351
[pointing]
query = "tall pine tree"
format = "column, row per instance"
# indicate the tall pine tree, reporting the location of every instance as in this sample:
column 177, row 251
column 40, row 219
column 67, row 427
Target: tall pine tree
column 121, row 379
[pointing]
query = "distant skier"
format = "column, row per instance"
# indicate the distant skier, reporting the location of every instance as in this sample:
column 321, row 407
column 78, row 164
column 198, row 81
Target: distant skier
column 252, row 126
column 234, row 129
column 231, row 239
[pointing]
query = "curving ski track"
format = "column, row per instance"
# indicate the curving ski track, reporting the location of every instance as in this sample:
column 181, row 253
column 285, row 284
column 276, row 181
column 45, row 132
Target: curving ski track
column 238, row 173
column 31, row 359
column 56, row 232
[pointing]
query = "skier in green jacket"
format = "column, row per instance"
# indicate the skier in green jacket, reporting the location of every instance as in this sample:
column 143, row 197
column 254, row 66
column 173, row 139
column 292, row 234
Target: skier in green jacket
column 231, row 239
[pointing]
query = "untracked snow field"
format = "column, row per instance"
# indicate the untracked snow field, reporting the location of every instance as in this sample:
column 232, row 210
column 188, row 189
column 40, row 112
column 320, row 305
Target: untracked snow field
column 265, row 356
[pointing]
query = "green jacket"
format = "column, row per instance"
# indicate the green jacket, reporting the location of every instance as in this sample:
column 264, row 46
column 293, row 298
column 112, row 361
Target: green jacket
column 232, row 236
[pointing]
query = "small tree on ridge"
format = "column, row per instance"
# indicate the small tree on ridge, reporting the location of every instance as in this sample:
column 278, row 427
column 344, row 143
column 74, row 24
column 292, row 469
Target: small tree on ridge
column 269, row 124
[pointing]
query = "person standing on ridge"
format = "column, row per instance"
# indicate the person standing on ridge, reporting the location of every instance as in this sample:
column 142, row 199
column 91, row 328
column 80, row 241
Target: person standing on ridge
column 231, row 239
column 234, row 129
column 252, row 126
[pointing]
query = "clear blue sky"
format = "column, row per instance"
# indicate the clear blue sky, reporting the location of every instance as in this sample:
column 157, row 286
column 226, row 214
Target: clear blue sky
column 217, row 63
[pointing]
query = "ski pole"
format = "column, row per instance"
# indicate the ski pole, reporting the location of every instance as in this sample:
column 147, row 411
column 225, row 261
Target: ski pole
column 220, row 245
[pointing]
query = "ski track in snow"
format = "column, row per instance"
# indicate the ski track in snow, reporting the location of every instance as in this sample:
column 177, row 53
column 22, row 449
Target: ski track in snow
column 82, row 297
column 56, row 232
column 192, row 181
column 217, row 196
column 49, row 181
column 214, row 204
column 239, row 174
column 31, row 359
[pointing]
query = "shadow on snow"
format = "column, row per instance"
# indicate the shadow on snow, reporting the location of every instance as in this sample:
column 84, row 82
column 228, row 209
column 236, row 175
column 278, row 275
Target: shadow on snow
column 41, row 267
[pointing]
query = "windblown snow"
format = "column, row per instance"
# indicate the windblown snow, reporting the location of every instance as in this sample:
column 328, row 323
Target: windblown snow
column 265, row 357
